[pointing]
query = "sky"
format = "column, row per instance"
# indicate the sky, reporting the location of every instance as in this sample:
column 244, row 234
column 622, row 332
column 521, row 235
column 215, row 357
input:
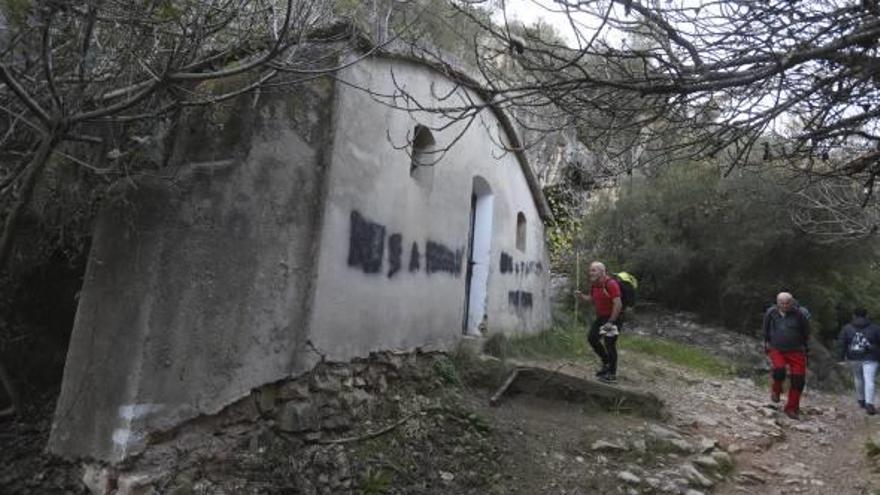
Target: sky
column 530, row 11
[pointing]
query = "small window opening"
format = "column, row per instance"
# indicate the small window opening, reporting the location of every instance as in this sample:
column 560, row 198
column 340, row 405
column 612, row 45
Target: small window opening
column 423, row 149
column 521, row 231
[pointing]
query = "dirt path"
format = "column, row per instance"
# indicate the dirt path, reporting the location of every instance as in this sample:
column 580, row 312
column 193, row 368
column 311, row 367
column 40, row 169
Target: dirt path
column 822, row 453
column 551, row 444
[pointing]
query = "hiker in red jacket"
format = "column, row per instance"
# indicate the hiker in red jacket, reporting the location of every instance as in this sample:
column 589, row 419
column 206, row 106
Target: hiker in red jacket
column 605, row 295
column 786, row 340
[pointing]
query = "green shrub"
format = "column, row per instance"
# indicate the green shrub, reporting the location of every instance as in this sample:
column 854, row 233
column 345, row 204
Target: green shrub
column 446, row 369
column 724, row 246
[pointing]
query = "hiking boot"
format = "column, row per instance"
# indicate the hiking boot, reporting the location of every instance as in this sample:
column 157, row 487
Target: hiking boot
column 862, row 404
column 774, row 397
column 792, row 414
column 602, row 371
column 608, row 377
column 869, row 408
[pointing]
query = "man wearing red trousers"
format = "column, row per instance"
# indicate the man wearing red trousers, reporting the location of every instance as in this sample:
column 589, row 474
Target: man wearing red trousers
column 786, row 340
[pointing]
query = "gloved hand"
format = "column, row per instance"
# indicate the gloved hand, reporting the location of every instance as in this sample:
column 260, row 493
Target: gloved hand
column 609, row 330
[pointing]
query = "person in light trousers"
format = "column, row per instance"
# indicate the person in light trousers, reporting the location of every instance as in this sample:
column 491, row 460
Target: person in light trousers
column 859, row 348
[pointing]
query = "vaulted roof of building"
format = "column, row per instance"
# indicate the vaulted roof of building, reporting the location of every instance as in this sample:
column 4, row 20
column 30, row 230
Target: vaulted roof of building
column 456, row 72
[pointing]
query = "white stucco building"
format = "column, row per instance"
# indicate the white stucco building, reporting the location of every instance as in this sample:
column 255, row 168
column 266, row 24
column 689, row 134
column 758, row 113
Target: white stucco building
column 325, row 219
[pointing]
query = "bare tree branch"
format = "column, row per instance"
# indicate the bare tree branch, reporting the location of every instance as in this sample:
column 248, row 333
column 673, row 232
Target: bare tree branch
column 25, row 98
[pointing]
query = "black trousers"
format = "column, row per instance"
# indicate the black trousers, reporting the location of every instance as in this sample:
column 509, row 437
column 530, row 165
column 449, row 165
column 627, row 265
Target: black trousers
column 605, row 347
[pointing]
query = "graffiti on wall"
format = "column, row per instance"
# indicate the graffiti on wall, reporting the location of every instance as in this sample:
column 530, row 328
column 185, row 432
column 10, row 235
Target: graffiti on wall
column 368, row 239
column 414, row 257
column 506, row 263
column 519, row 299
column 366, row 250
column 395, row 249
column 439, row 258
column 508, row 266
column 366, row 244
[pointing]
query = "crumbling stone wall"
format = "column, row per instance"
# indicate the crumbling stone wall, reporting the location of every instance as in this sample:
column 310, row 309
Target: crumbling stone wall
column 309, row 413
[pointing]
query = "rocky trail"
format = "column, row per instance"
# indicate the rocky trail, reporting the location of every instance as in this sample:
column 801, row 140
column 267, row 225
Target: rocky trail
column 431, row 429
column 723, row 435
column 720, row 434
column 824, row 452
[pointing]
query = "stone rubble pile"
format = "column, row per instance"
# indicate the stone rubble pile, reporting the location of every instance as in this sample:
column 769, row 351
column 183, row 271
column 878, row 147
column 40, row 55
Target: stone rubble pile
column 663, row 459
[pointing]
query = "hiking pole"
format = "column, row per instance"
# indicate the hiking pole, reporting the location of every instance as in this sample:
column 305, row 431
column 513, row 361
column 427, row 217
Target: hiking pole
column 577, row 284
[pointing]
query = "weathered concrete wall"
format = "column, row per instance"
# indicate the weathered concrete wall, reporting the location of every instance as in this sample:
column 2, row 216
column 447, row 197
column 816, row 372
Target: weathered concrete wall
column 253, row 257
column 196, row 288
column 392, row 266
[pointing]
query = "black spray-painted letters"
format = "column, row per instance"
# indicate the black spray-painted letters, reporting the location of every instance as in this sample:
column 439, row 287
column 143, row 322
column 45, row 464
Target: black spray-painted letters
column 506, row 263
column 395, row 248
column 414, row 256
column 439, row 258
column 520, row 299
column 366, row 250
column 366, row 244
column 521, row 267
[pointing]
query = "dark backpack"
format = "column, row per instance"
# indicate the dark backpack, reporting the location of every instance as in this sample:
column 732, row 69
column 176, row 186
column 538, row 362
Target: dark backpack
column 859, row 347
column 628, row 291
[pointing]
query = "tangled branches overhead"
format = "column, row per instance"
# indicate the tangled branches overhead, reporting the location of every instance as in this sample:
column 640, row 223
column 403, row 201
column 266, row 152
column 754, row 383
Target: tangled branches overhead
column 91, row 82
column 831, row 211
column 96, row 61
column 806, row 71
column 791, row 83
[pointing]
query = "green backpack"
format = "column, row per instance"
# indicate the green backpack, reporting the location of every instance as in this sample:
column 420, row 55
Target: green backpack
column 628, row 288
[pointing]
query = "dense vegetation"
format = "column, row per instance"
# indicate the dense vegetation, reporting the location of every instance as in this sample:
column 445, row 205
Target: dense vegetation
column 724, row 246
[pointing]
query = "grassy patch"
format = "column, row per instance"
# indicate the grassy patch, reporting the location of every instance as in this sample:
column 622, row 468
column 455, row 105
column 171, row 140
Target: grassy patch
column 691, row 357
column 872, row 450
column 558, row 342
column 447, row 369
column 570, row 342
column 376, row 482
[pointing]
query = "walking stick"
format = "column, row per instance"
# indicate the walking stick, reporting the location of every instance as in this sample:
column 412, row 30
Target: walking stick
column 577, row 284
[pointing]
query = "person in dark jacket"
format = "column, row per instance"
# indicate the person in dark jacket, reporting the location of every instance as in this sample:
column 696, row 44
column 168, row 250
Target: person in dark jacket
column 786, row 341
column 859, row 347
